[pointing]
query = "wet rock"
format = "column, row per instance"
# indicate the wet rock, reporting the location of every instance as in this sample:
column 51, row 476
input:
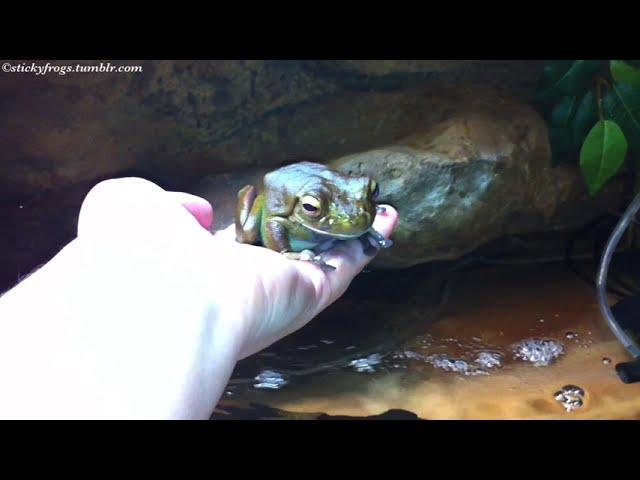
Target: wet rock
column 180, row 120
column 370, row 75
column 65, row 129
column 257, row 411
column 392, row 414
column 480, row 171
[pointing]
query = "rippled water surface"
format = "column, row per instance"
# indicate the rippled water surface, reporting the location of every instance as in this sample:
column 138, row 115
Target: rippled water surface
column 510, row 342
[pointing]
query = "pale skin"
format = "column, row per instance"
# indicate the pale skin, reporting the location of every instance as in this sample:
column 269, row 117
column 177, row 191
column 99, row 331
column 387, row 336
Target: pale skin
column 145, row 313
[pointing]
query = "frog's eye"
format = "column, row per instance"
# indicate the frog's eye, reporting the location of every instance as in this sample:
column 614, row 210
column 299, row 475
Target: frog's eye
column 311, row 205
column 375, row 189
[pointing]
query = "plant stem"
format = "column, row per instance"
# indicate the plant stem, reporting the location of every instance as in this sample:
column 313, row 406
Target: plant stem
column 599, row 82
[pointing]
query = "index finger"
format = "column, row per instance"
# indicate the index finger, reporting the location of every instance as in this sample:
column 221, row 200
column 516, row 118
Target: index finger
column 349, row 258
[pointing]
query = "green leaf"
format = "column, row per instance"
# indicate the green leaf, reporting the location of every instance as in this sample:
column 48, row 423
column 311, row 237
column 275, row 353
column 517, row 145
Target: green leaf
column 563, row 112
column 562, row 147
column 555, row 83
column 585, row 118
column 560, row 132
column 623, row 72
column 602, row 154
column 622, row 105
column 553, row 71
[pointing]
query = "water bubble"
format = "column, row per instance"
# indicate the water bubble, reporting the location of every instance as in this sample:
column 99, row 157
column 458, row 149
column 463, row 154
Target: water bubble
column 366, row 364
column 606, row 360
column 413, row 355
column 570, row 397
column 442, row 362
column 571, row 335
column 537, row 351
column 489, row 359
column 270, row 380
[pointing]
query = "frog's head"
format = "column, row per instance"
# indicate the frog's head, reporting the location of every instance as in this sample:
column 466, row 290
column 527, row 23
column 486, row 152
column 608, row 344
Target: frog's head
column 337, row 205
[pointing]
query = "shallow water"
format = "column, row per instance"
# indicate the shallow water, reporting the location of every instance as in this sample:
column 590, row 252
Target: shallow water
column 507, row 343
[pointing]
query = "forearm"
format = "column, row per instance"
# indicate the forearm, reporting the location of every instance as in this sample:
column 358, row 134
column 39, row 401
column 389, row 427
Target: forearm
column 85, row 337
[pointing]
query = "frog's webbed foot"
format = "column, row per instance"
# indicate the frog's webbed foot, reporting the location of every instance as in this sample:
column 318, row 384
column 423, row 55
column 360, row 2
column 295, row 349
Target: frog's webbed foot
column 373, row 241
column 378, row 239
column 367, row 247
column 309, row 256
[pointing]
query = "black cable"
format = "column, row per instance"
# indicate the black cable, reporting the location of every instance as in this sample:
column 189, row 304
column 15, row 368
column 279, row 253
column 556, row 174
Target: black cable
column 603, row 301
column 570, row 261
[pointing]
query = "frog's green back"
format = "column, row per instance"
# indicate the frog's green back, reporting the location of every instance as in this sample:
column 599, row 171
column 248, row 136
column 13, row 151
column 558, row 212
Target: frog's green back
column 282, row 186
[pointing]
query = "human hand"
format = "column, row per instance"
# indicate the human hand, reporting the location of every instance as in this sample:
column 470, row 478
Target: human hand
column 178, row 306
column 281, row 295
column 269, row 295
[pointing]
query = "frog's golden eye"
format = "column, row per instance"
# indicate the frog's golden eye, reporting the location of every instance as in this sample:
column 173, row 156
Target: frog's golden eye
column 374, row 188
column 311, row 205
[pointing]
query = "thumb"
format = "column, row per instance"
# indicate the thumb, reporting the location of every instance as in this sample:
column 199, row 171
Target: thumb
column 200, row 208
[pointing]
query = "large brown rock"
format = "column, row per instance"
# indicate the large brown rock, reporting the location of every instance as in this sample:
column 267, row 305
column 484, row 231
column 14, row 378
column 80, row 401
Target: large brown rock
column 480, row 171
column 476, row 168
column 179, row 120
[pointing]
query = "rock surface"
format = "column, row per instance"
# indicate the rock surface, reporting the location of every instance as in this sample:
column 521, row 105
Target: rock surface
column 478, row 169
column 180, row 120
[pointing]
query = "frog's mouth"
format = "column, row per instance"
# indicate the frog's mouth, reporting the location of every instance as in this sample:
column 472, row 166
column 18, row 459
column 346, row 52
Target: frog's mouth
column 342, row 236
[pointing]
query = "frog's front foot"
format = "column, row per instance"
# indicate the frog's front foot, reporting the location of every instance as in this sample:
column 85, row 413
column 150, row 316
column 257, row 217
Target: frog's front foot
column 309, row 256
column 379, row 240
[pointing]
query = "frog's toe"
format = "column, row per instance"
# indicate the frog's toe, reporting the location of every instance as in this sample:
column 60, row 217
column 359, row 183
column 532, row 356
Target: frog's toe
column 291, row 255
column 379, row 239
column 367, row 248
column 386, row 243
column 318, row 260
column 323, row 265
column 309, row 256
